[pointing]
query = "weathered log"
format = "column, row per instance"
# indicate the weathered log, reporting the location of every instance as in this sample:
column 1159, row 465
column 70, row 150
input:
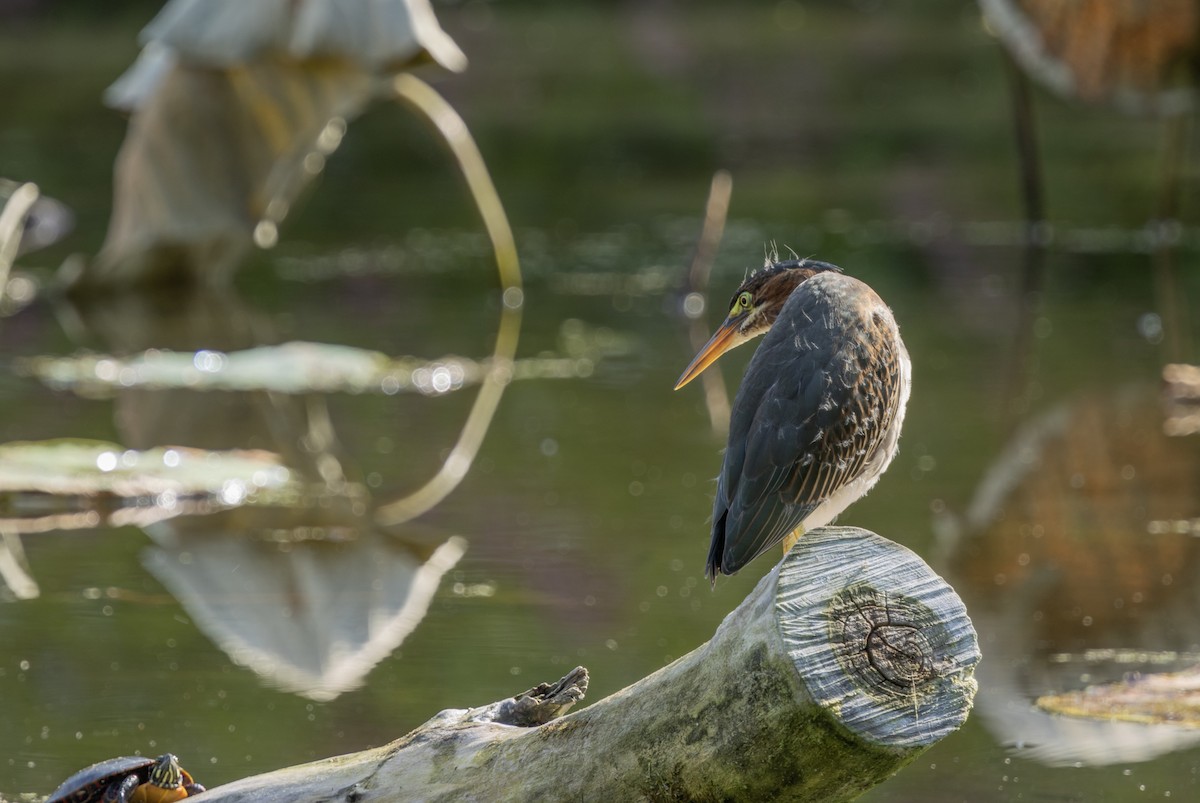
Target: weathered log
column 843, row 664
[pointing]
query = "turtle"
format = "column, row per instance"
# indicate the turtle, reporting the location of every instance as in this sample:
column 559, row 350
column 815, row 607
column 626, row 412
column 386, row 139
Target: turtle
column 128, row 779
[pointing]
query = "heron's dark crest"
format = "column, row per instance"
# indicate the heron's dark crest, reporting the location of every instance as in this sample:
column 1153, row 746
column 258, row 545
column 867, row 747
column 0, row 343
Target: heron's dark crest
column 771, row 285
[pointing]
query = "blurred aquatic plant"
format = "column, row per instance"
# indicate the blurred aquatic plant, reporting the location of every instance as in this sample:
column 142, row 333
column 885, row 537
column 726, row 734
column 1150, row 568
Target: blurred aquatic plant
column 14, row 566
column 47, row 222
column 1136, row 56
column 298, row 367
column 84, row 468
column 77, row 484
column 27, row 221
column 235, row 108
column 12, row 227
column 1169, row 698
column 306, row 367
column 695, row 297
column 1181, row 397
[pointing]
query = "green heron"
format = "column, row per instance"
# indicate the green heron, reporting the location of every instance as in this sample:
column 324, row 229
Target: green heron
column 817, row 417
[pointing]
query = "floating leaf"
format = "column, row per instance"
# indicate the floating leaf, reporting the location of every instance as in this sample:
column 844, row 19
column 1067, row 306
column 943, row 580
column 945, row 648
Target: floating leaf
column 1155, row 699
column 300, row 367
column 290, row 368
column 92, row 468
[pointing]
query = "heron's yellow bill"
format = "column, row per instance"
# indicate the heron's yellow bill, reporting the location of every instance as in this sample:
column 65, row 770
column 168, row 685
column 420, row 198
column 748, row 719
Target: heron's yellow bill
column 721, row 341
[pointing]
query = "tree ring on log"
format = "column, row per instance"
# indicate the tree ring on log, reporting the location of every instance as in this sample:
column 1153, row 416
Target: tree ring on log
column 877, row 638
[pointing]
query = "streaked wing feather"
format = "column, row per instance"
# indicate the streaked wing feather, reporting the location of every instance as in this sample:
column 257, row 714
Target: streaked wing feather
column 764, row 525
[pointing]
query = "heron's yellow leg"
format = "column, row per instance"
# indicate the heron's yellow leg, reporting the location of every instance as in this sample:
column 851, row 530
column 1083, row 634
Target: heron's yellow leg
column 791, row 540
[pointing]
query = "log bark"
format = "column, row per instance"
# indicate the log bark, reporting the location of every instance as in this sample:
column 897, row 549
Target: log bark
column 845, row 662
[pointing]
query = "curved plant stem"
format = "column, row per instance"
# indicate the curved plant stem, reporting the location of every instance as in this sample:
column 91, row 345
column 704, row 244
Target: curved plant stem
column 716, row 210
column 422, row 97
column 12, row 222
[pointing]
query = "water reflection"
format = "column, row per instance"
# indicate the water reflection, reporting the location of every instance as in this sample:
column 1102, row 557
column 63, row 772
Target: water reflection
column 14, row 566
column 1181, row 394
column 312, row 588
column 307, row 590
column 310, row 616
column 1069, row 578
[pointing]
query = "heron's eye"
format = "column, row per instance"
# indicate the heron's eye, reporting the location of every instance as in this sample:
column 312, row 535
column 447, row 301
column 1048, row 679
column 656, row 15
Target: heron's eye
column 743, row 302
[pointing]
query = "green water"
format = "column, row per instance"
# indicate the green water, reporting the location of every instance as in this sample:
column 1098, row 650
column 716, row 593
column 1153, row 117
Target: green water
column 875, row 137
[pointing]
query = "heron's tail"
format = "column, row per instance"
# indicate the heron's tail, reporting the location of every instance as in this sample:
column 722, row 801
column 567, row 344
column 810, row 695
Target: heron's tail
column 715, row 550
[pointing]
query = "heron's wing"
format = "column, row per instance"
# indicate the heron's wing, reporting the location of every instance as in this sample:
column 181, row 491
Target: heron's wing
column 749, row 513
column 737, row 542
column 814, row 406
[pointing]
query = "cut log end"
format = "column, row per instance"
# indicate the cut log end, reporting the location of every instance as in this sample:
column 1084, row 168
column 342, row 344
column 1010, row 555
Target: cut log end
column 878, row 639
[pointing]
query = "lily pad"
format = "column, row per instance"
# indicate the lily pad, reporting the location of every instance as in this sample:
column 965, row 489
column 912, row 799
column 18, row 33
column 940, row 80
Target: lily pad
column 289, row 368
column 302, row 367
column 1169, row 698
column 93, row 468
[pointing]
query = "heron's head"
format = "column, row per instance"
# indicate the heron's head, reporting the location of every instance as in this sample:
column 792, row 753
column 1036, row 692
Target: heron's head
column 754, row 307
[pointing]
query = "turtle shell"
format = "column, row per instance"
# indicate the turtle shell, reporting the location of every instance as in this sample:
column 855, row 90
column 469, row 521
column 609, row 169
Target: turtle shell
column 88, row 785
